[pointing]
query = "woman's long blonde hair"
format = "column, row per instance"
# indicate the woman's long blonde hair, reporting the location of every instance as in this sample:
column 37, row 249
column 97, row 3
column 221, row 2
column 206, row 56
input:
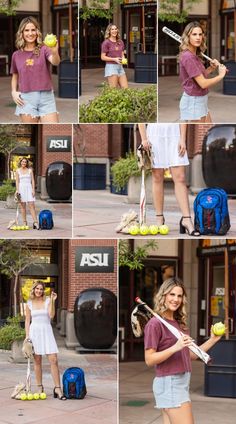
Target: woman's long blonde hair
column 20, row 42
column 32, row 291
column 108, row 32
column 184, row 45
column 159, row 301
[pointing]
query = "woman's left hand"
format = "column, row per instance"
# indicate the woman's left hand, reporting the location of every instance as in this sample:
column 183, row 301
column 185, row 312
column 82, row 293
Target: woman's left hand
column 53, row 295
column 214, row 64
column 213, row 336
column 181, row 148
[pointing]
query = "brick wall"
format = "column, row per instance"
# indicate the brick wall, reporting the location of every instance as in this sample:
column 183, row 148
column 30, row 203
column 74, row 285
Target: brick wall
column 94, row 138
column 195, row 136
column 81, row 281
column 49, row 157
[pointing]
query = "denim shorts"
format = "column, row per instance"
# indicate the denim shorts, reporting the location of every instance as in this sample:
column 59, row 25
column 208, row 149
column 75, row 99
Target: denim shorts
column 193, row 107
column 114, row 69
column 172, row 390
column 37, row 103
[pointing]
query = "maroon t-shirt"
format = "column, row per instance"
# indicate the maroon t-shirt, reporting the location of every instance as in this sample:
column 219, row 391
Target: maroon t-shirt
column 190, row 66
column 33, row 71
column 158, row 337
column 113, row 49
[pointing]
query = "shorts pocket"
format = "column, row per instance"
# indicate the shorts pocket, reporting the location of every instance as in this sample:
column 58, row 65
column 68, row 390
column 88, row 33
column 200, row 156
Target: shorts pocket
column 158, row 385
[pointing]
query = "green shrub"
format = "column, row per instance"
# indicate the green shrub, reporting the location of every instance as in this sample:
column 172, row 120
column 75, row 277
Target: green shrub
column 6, row 188
column 121, row 105
column 123, row 169
column 10, row 332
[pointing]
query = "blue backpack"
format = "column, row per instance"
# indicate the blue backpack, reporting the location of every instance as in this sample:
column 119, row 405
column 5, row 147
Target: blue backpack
column 74, row 386
column 45, row 220
column 211, row 212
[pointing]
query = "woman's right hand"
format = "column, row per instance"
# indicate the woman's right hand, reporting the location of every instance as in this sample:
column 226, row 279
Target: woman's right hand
column 118, row 60
column 146, row 144
column 222, row 70
column 16, row 95
column 184, row 341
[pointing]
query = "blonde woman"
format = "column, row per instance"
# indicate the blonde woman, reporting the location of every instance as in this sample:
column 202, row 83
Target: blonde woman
column 31, row 84
column 113, row 53
column 39, row 311
column 25, row 186
column 194, row 75
column 170, row 358
column 168, row 146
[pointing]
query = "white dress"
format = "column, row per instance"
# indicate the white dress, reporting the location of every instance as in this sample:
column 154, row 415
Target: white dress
column 164, row 140
column 40, row 331
column 25, row 186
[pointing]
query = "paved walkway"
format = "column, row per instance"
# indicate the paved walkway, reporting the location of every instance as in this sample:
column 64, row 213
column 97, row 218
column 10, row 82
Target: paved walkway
column 67, row 108
column 62, row 216
column 98, row 407
column 222, row 107
column 97, row 213
column 137, row 403
column 93, row 79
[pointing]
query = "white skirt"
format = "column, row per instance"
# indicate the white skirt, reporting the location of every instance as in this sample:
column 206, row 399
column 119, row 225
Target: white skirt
column 43, row 339
column 164, row 140
column 26, row 193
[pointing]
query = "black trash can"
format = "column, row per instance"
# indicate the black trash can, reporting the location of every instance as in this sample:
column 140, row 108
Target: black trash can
column 229, row 81
column 145, row 68
column 219, row 157
column 89, row 176
column 68, row 79
column 59, row 181
column 95, row 318
column 220, row 378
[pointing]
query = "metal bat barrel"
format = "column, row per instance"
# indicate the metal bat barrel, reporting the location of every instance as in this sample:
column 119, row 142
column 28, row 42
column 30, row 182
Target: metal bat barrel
column 194, row 348
column 177, row 37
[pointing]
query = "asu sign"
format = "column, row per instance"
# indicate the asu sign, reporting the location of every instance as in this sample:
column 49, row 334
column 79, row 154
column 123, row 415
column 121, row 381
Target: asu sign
column 94, row 259
column 59, row 143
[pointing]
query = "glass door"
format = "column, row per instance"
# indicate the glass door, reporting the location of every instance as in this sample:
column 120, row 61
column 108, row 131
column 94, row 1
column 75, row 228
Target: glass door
column 134, row 25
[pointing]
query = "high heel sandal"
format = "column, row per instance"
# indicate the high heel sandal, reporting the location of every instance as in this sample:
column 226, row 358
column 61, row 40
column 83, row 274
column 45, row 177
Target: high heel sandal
column 163, row 218
column 183, row 229
column 35, row 226
column 42, row 388
column 56, row 395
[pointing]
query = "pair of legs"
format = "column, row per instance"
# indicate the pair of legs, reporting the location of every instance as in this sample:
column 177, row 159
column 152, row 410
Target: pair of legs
column 54, row 371
column 32, row 211
column 181, row 193
column 50, row 118
column 181, row 415
column 116, row 81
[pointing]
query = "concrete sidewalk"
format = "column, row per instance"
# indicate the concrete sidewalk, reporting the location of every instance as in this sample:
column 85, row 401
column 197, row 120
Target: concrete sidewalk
column 62, row 216
column 222, row 107
column 98, row 407
column 67, row 108
column 137, row 402
column 93, row 79
column 97, row 213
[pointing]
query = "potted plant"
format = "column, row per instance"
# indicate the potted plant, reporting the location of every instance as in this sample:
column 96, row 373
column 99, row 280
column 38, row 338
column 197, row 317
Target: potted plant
column 126, row 173
column 12, row 336
column 7, row 191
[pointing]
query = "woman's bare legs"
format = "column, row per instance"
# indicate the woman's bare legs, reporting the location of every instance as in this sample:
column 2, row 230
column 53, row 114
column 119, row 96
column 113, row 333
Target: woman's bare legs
column 165, row 417
column 181, row 415
column 33, row 211
column 113, row 81
column 28, row 119
column 23, row 211
column 38, row 369
column 181, row 194
column 158, row 193
column 123, row 82
column 55, row 372
column 50, row 118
